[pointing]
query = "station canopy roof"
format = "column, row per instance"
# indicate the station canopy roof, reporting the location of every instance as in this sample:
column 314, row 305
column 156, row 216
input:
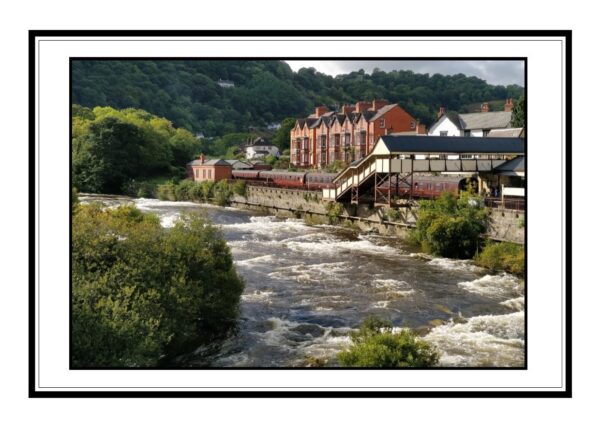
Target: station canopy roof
column 514, row 167
column 447, row 145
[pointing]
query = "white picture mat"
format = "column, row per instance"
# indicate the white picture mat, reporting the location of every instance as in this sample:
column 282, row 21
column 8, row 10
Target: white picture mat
column 545, row 138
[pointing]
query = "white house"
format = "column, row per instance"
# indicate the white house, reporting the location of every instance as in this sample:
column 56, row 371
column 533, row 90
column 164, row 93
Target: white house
column 226, row 84
column 476, row 124
column 259, row 148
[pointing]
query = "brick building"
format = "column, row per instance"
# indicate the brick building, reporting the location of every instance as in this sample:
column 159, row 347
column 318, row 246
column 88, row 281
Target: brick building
column 200, row 170
column 348, row 135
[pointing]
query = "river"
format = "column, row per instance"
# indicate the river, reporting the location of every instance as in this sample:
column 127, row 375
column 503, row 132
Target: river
column 307, row 287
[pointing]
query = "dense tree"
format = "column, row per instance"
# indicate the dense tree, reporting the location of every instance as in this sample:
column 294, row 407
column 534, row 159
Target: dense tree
column 111, row 147
column 518, row 113
column 282, row 138
column 186, row 91
column 107, row 155
column 140, row 291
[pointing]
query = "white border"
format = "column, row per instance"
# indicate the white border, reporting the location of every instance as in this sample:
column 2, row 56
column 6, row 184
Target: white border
column 545, row 257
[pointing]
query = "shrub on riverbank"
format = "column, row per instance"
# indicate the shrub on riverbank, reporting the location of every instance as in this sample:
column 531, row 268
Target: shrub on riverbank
column 450, row 226
column 374, row 345
column 140, row 291
column 207, row 191
column 502, row 256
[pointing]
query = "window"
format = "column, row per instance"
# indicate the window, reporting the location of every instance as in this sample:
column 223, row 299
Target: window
column 444, row 133
column 204, row 174
column 197, row 173
column 413, row 125
column 209, row 174
column 382, row 123
column 467, row 133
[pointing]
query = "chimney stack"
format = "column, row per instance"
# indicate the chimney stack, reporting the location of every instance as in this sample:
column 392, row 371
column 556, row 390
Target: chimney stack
column 508, row 106
column 362, row 106
column 442, row 111
column 378, row 104
column 320, row 110
column 347, row 109
column 485, row 107
column 201, row 158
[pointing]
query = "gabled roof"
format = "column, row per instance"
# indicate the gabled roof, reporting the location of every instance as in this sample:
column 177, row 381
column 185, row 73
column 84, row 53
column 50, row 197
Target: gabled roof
column 316, row 123
column 237, row 164
column 485, row 120
column 217, row 162
column 454, row 119
column 512, row 132
column 366, row 114
column 450, row 144
column 352, row 115
column 516, row 165
column 381, row 111
column 259, row 142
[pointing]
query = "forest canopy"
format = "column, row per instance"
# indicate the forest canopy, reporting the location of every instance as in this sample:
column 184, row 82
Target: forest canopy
column 187, row 92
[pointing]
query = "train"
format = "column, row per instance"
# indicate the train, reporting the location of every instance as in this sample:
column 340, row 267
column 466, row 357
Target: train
column 424, row 186
column 301, row 180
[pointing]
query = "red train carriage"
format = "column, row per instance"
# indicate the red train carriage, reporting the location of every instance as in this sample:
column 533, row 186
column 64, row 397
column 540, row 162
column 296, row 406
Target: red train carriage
column 316, row 181
column 283, row 178
column 245, row 174
column 433, row 186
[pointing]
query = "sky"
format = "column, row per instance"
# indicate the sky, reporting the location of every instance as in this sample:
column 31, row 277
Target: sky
column 494, row 72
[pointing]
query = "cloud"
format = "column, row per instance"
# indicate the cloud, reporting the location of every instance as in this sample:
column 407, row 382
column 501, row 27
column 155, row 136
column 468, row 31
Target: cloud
column 494, row 72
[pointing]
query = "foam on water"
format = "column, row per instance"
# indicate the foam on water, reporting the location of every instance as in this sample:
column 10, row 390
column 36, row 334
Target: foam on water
column 494, row 285
column 331, row 246
column 489, row 340
column 518, row 303
column 152, row 203
column 257, row 296
column 267, row 226
column 255, row 260
column 311, row 273
column 454, row 265
column 391, row 286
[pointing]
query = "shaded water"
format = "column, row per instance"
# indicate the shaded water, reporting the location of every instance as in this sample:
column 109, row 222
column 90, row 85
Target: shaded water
column 307, row 287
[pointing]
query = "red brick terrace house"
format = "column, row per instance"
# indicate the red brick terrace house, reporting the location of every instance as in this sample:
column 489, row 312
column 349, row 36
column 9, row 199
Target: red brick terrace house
column 326, row 136
column 200, row 170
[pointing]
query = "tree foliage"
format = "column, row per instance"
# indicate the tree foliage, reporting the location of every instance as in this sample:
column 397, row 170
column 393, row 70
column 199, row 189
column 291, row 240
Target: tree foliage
column 187, row 93
column 112, row 147
column 502, row 256
column 140, row 290
column 376, row 345
column 518, row 113
column 451, row 226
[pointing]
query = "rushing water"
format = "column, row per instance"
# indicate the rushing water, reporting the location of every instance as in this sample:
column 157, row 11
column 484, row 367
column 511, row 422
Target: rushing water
column 307, row 287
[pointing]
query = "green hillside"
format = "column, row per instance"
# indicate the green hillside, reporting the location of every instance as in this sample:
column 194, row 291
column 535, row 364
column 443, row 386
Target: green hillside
column 186, row 91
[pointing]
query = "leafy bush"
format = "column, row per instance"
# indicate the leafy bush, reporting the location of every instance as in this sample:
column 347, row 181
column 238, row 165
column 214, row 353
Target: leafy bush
column 334, row 211
column 139, row 290
column 239, row 187
column 450, row 226
column 206, row 188
column 222, row 192
column 166, row 192
column 74, row 199
column 374, row 345
column 502, row 256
